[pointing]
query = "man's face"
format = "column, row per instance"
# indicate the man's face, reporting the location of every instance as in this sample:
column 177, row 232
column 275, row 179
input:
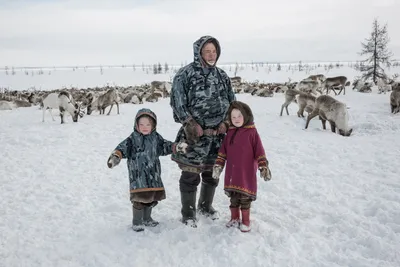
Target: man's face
column 209, row 54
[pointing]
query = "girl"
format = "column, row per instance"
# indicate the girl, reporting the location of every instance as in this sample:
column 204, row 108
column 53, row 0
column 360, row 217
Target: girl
column 243, row 152
column 142, row 150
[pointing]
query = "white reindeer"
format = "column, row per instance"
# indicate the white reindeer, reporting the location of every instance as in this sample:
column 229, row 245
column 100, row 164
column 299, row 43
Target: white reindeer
column 383, row 86
column 64, row 102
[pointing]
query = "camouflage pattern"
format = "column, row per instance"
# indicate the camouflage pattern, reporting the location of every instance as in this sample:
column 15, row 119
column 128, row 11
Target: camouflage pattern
column 204, row 94
column 142, row 153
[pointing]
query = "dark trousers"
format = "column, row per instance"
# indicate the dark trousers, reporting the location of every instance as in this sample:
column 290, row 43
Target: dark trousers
column 190, row 180
column 240, row 201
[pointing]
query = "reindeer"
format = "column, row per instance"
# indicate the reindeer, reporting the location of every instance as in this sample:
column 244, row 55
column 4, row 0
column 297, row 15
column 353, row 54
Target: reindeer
column 6, row 105
column 263, row 92
column 21, row 103
column 339, row 81
column 88, row 101
column 306, row 102
column 383, row 85
column 164, row 87
column 395, row 100
column 107, row 99
column 316, row 77
column 309, row 86
column 290, row 96
column 330, row 109
column 64, row 102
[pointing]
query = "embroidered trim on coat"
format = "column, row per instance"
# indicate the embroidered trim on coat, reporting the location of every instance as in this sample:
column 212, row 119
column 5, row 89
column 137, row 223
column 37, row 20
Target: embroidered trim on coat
column 240, row 189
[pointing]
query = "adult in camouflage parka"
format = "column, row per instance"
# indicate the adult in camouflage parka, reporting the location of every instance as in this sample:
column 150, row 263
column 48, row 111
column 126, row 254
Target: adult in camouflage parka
column 200, row 97
column 142, row 149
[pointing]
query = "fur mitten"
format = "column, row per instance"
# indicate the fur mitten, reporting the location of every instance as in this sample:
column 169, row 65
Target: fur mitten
column 265, row 173
column 193, row 131
column 113, row 161
column 216, row 171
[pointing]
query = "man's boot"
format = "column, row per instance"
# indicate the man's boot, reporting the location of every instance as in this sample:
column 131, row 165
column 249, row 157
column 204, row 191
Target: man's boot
column 137, row 221
column 147, row 220
column 205, row 201
column 188, row 210
column 235, row 218
column 245, row 225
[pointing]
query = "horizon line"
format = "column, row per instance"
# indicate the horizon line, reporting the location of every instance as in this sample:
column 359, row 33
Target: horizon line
column 10, row 67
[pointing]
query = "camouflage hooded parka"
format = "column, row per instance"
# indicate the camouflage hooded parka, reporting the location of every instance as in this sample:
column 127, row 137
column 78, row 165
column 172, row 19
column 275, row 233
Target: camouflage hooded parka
column 203, row 94
column 142, row 153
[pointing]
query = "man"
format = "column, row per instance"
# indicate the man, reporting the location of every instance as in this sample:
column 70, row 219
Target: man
column 200, row 98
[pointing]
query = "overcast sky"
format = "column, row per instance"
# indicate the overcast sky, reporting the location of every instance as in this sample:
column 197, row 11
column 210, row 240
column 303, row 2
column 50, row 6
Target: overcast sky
column 91, row 32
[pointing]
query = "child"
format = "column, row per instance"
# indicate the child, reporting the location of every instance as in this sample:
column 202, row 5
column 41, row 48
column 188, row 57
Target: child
column 243, row 152
column 142, row 150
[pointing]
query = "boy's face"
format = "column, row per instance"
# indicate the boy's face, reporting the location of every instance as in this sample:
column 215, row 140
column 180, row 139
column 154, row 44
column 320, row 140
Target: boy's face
column 145, row 126
column 237, row 118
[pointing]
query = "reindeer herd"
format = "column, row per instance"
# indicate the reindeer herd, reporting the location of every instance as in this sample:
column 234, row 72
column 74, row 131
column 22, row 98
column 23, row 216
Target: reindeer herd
column 308, row 94
column 77, row 102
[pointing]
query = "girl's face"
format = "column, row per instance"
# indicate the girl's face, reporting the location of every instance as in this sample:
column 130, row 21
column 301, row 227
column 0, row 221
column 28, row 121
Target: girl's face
column 145, row 126
column 237, row 118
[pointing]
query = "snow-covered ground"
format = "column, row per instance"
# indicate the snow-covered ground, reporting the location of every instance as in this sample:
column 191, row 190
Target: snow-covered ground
column 332, row 201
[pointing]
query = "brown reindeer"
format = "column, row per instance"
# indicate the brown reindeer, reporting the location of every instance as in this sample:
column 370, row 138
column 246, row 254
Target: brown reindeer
column 335, row 82
column 109, row 98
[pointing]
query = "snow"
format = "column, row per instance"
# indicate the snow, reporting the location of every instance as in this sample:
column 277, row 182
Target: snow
column 332, row 201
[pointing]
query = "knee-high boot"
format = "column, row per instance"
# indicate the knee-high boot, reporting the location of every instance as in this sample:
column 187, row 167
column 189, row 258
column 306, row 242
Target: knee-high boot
column 188, row 210
column 206, row 199
column 137, row 220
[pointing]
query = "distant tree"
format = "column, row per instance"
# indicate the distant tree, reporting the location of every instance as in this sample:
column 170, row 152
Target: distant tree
column 155, row 69
column 300, row 66
column 236, row 69
column 166, row 67
column 376, row 47
column 278, row 67
column 159, row 68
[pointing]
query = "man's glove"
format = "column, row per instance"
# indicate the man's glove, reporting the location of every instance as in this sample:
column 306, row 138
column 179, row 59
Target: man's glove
column 265, row 173
column 113, row 161
column 216, row 171
column 193, row 131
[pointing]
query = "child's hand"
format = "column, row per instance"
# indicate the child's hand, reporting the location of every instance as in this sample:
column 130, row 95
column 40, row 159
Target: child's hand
column 181, row 147
column 216, row 171
column 113, row 161
column 265, row 173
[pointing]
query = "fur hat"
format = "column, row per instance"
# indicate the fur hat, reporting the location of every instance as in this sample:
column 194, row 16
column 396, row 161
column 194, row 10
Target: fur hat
column 248, row 117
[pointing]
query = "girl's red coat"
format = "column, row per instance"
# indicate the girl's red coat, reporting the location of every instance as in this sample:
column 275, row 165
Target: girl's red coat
column 242, row 157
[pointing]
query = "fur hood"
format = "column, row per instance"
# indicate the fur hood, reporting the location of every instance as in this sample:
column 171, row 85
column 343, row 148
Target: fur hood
column 142, row 112
column 198, row 45
column 244, row 109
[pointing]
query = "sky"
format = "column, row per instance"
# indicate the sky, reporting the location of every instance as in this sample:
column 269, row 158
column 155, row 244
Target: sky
column 94, row 32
